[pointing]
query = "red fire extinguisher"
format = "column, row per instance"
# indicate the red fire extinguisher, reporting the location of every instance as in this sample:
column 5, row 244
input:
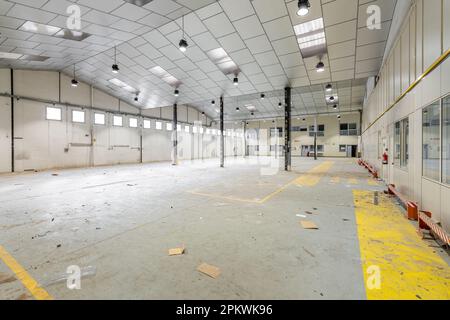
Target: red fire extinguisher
column 385, row 157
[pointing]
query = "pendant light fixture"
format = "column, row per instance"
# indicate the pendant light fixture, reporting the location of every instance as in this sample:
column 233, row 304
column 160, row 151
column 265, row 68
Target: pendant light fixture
column 115, row 67
column 213, row 103
column 74, row 82
column 236, row 81
column 183, row 43
column 303, row 8
column 329, row 87
column 263, row 96
column 320, row 67
column 176, row 93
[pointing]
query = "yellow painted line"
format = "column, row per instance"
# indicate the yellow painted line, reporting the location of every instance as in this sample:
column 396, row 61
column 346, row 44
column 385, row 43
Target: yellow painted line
column 313, row 176
column 21, row 274
column 353, row 181
column 372, row 182
column 430, row 69
column 217, row 196
column 397, row 264
column 336, row 180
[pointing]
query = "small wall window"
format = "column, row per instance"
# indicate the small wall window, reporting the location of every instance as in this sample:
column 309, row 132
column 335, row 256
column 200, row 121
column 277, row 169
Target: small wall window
column 78, row 116
column 348, row 129
column 201, row 130
column 187, row 129
column 99, row 118
column 320, row 130
column 147, row 124
column 179, row 127
column 133, row 122
column 53, row 113
column 169, row 126
column 158, row 125
column 194, row 129
column 431, row 143
column 342, row 148
column 117, row 121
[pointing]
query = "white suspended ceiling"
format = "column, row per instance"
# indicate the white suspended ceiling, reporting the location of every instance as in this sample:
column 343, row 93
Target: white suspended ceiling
column 257, row 36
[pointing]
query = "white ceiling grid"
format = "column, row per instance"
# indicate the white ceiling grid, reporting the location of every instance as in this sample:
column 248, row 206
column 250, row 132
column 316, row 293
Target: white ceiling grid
column 257, row 35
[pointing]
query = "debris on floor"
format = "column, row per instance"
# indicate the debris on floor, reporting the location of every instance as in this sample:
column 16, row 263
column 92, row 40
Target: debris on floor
column 209, row 270
column 176, row 251
column 309, row 225
column 5, row 278
column 58, row 246
column 24, row 296
column 55, row 174
column 300, row 216
column 308, row 212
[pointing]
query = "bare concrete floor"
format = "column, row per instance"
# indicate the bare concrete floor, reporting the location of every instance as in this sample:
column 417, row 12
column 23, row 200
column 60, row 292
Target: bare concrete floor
column 122, row 220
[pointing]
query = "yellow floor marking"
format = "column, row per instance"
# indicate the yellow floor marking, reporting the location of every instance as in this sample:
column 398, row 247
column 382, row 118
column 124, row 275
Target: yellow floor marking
column 397, row 264
column 311, row 178
column 218, row 196
column 21, row 274
column 372, row 182
column 353, row 181
column 336, row 180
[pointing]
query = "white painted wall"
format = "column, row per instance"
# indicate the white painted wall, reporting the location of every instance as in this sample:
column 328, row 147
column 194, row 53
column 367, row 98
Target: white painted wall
column 331, row 139
column 424, row 37
column 42, row 144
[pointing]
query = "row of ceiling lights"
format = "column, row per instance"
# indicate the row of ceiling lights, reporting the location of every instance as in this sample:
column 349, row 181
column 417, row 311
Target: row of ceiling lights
column 303, row 10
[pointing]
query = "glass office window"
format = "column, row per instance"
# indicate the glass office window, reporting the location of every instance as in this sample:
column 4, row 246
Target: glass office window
column 446, row 140
column 431, row 141
column 158, row 125
column 147, row 124
column 405, row 142
column 397, row 143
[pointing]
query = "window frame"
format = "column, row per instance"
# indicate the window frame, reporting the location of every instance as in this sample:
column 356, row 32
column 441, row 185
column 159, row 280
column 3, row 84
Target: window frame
column 129, row 122
column 440, row 104
column 403, row 161
column 158, row 125
column 149, row 124
column 104, row 119
column 55, row 108
column 78, row 111
column 117, row 117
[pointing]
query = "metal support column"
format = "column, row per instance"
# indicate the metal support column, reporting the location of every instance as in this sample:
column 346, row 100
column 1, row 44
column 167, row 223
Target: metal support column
column 287, row 128
column 12, row 122
column 245, row 140
column 222, row 140
column 175, row 135
column 315, row 138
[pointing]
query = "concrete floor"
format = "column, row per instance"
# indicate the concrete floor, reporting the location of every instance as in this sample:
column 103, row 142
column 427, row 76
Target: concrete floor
column 122, row 220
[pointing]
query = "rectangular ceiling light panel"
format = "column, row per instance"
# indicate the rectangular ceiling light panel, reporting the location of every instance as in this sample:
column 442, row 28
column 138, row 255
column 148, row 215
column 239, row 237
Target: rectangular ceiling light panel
column 122, row 85
column 139, row 3
column 165, row 76
column 223, row 61
column 47, row 30
column 311, row 38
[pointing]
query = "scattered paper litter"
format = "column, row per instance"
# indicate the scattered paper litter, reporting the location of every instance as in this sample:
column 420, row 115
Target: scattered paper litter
column 309, row 225
column 209, row 270
column 300, row 216
column 176, row 251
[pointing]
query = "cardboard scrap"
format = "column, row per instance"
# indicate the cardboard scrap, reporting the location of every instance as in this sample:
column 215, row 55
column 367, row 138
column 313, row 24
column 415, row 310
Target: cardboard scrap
column 309, row 225
column 209, row 270
column 176, row 251
column 5, row 278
